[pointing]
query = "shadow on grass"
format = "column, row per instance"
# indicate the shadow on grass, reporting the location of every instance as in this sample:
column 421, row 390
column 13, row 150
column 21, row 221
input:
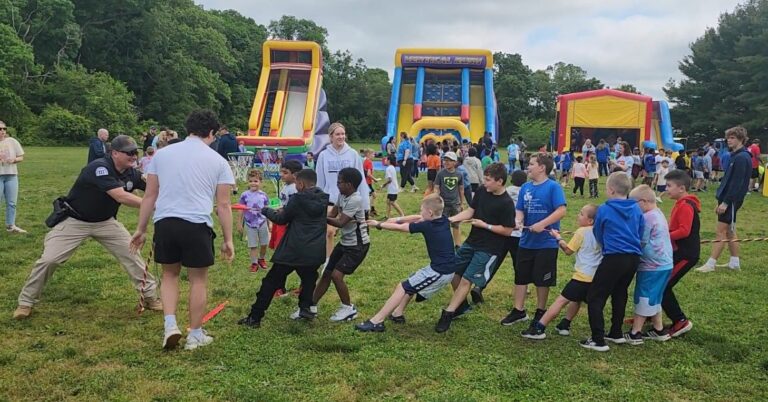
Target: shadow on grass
column 720, row 348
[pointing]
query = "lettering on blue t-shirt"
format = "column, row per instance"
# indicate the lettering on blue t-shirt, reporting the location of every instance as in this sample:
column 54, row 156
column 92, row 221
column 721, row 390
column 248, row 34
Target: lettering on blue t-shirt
column 537, row 201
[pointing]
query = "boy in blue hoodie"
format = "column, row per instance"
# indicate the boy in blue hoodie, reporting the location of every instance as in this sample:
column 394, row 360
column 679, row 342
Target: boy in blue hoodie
column 618, row 227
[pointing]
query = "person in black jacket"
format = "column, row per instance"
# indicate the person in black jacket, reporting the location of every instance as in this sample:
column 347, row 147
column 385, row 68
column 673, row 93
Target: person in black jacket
column 97, row 146
column 730, row 195
column 302, row 248
column 227, row 142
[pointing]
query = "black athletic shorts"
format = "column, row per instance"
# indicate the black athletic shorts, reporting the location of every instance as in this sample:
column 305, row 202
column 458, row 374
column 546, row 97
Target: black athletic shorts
column 537, row 266
column 177, row 240
column 346, row 259
column 729, row 216
column 392, row 197
column 576, row 291
column 431, row 174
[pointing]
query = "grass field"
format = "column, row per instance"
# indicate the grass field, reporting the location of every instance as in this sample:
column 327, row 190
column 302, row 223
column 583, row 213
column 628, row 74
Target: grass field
column 84, row 340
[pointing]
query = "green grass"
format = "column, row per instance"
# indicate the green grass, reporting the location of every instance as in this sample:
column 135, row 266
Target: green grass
column 85, row 341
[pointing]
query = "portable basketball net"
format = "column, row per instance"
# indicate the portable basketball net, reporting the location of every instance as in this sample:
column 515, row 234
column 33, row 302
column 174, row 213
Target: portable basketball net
column 240, row 162
column 270, row 159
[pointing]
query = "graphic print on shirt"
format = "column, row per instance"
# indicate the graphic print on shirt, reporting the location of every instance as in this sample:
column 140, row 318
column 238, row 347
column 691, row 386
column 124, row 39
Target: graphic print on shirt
column 334, row 166
column 450, row 182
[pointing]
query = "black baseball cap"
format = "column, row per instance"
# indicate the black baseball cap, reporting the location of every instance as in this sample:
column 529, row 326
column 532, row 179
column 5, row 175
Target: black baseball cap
column 124, row 143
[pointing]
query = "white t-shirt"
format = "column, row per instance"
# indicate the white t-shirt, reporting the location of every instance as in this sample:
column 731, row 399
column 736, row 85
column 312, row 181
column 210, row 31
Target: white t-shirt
column 514, row 192
column 661, row 176
column 391, row 174
column 188, row 173
column 286, row 192
column 10, row 149
column 628, row 162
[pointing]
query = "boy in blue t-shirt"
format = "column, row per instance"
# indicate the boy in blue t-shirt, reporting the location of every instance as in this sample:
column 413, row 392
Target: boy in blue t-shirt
column 540, row 206
column 618, row 227
column 428, row 280
column 649, row 164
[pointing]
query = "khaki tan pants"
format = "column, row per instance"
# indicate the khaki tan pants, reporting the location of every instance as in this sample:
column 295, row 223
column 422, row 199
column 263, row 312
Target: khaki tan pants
column 62, row 241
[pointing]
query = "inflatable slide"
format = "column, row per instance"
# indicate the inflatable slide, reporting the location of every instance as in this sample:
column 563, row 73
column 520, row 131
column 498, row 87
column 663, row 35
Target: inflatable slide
column 289, row 109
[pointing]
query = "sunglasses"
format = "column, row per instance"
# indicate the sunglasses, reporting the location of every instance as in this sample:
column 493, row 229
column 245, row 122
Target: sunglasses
column 2, row 128
column 135, row 152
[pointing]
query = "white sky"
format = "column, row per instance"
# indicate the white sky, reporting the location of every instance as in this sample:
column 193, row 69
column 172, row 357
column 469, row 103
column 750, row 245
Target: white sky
column 616, row 41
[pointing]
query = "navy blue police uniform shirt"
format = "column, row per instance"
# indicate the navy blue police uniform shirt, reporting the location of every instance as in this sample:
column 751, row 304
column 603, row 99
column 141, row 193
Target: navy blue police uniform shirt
column 88, row 196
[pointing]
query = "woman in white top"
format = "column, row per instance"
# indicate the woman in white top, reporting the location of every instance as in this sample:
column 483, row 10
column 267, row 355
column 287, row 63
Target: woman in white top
column 11, row 154
column 625, row 160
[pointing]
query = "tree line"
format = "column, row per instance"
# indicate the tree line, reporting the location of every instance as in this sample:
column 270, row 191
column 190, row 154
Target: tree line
column 68, row 67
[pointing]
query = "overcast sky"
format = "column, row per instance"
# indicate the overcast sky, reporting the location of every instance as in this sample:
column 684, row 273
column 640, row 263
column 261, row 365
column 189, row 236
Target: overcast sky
column 617, row 41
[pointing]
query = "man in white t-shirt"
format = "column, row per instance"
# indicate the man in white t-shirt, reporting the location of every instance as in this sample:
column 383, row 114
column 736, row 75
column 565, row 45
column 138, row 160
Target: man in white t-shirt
column 192, row 174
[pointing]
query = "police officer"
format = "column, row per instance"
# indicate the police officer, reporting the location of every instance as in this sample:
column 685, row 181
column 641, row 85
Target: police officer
column 102, row 186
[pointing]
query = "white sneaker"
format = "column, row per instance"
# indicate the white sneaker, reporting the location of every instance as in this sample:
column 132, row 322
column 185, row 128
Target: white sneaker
column 194, row 342
column 705, row 268
column 296, row 316
column 734, row 267
column 15, row 229
column 344, row 313
column 171, row 338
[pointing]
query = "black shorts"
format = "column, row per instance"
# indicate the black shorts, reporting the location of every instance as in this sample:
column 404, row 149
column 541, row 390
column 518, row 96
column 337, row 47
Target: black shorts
column 177, row 240
column 392, row 197
column 729, row 216
column 537, row 266
column 706, row 175
column 431, row 174
column 575, row 291
column 755, row 173
column 346, row 259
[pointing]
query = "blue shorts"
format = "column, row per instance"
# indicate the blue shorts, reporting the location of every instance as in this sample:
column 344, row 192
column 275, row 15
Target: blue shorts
column 474, row 265
column 649, row 290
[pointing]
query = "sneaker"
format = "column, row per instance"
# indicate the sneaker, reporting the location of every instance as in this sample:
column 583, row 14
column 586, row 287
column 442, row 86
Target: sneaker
column 563, row 328
column 194, row 342
column 679, row 328
column 255, row 268
column 15, row 229
column 514, row 317
column 477, row 296
column 153, row 303
column 705, row 268
column 444, row 322
column 171, row 338
column 463, row 309
column 534, row 332
column 654, row 335
column 590, row 344
column 279, row 293
column 399, row 319
column 617, row 339
column 633, row 339
column 22, row 312
column 308, row 314
column 344, row 313
column 262, row 263
column 249, row 322
column 368, row 326
column 296, row 315
column 734, row 267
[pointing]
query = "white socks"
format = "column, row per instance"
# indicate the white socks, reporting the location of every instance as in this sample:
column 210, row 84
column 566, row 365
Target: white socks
column 170, row 321
column 734, row 262
column 711, row 262
column 196, row 333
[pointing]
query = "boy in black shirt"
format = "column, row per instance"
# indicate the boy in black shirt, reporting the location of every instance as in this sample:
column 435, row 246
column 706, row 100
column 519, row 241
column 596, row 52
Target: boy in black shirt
column 492, row 224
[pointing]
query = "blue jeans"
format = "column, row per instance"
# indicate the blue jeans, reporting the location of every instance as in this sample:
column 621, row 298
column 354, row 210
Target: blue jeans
column 9, row 189
column 512, row 163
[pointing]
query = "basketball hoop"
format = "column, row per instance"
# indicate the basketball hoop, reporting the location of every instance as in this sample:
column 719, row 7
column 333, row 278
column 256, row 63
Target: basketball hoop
column 240, row 162
column 270, row 159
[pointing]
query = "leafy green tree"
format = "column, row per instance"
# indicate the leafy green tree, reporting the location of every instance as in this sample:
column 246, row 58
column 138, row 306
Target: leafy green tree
column 514, row 90
column 48, row 25
column 58, row 125
column 726, row 76
column 628, row 88
column 17, row 62
column 535, row 131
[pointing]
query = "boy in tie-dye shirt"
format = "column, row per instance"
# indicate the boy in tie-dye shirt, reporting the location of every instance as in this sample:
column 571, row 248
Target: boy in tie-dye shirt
column 654, row 269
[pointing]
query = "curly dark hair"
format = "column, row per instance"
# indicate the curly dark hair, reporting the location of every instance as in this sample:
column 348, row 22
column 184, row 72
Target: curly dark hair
column 202, row 123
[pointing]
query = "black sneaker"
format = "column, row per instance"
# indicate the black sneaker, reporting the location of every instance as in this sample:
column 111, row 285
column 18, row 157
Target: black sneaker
column 537, row 316
column 400, row 319
column 514, row 316
column 463, row 309
column 633, row 339
column 307, row 314
column 590, row 344
column 445, row 321
column 249, row 322
column 617, row 339
column 534, row 332
column 656, row 335
column 563, row 327
column 368, row 326
column 477, row 296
